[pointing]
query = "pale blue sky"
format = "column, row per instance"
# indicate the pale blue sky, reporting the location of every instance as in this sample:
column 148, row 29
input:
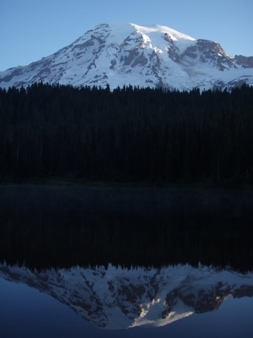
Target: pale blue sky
column 32, row 29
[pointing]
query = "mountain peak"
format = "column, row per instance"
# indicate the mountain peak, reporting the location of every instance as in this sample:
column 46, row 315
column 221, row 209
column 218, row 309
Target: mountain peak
column 122, row 54
column 175, row 35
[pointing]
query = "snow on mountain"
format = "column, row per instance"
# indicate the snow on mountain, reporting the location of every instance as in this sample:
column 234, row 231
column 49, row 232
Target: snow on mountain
column 117, row 298
column 122, row 54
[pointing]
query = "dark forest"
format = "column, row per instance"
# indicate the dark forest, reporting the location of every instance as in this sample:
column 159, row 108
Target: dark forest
column 128, row 135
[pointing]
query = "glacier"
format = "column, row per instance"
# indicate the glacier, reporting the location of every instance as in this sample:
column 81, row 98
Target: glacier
column 126, row 54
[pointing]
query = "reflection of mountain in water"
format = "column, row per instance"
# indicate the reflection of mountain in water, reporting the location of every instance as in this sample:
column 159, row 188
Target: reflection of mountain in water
column 116, row 298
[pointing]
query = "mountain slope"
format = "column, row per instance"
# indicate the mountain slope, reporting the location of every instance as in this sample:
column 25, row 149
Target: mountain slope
column 119, row 54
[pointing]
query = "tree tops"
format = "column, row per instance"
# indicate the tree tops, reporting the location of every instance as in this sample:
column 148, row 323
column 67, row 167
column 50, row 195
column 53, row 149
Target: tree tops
column 126, row 135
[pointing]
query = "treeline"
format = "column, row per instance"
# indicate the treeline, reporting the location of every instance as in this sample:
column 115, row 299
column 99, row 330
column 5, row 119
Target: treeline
column 126, row 135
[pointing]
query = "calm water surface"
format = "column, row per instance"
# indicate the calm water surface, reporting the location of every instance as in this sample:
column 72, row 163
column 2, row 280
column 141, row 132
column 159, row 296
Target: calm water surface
column 178, row 301
column 113, row 262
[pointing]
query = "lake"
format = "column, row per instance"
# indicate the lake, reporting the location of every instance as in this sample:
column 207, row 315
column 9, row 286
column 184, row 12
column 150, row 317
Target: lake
column 109, row 261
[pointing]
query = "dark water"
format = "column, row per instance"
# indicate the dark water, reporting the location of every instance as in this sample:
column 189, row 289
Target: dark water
column 121, row 233
column 63, row 226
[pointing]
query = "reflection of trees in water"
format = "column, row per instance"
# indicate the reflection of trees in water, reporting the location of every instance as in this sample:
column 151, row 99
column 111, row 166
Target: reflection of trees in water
column 89, row 238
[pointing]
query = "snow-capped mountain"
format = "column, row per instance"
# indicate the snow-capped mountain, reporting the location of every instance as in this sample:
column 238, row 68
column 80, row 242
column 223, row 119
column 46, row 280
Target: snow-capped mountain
column 119, row 298
column 119, row 54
